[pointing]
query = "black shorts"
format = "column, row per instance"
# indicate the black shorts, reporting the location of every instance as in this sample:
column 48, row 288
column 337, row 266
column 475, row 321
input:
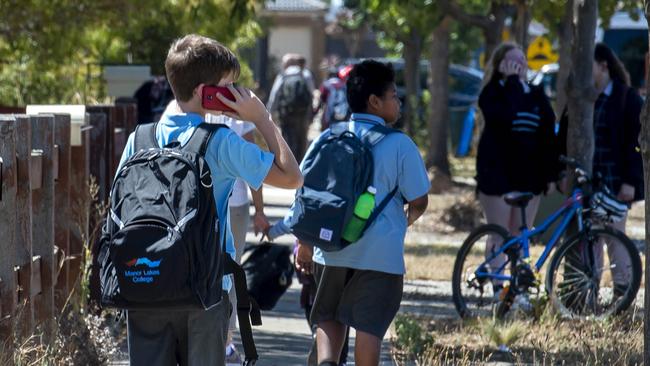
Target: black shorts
column 362, row 299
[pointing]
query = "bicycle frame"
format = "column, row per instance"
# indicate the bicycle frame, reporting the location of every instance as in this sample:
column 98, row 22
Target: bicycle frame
column 571, row 208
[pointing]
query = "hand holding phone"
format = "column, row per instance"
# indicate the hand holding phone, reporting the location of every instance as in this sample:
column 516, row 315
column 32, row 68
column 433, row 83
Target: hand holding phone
column 244, row 105
column 210, row 100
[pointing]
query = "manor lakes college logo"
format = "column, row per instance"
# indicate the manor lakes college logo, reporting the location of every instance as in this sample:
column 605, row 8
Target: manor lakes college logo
column 142, row 275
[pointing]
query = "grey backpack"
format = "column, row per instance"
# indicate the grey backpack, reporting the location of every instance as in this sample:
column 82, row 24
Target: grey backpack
column 294, row 97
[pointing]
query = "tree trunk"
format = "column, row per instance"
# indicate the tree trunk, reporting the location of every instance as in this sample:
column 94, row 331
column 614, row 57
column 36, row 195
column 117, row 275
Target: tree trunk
column 494, row 32
column 412, row 54
column 644, row 140
column 353, row 38
column 520, row 29
column 437, row 156
column 582, row 94
column 565, row 33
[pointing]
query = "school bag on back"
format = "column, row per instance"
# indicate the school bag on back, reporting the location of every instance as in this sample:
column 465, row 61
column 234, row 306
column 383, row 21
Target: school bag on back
column 336, row 172
column 338, row 109
column 162, row 247
column 294, row 97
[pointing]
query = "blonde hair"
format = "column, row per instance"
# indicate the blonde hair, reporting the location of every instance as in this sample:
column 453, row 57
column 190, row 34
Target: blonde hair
column 492, row 67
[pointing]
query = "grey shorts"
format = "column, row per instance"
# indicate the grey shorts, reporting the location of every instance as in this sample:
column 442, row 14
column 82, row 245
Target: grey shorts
column 186, row 338
column 364, row 300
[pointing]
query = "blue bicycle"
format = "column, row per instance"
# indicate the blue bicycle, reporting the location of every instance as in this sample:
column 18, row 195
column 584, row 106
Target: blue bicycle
column 595, row 273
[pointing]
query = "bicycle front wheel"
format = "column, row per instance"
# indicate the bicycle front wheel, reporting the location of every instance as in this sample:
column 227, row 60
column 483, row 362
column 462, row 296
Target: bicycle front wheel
column 475, row 291
column 595, row 274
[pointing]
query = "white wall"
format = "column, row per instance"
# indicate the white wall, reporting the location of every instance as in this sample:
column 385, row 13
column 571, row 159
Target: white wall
column 290, row 40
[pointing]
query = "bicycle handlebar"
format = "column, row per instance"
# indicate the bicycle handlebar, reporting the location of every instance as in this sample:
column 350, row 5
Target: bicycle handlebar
column 581, row 175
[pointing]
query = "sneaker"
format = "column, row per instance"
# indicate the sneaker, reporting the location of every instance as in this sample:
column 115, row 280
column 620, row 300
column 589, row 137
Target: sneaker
column 232, row 356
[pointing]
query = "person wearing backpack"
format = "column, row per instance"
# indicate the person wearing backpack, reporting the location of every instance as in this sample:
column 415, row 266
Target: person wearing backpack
column 291, row 101
column 168, row 270
column 333, row 100
column 238, row 205
column 360, row 281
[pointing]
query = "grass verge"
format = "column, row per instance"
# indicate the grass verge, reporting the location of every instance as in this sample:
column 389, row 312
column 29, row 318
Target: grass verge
column 545, row 341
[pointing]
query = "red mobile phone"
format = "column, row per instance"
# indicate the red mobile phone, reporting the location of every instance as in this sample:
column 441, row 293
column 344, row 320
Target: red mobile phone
column 210, row 100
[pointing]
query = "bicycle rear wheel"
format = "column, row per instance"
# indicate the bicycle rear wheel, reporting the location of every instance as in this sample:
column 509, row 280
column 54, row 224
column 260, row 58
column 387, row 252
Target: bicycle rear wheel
column 474, row 291
column 595, row 274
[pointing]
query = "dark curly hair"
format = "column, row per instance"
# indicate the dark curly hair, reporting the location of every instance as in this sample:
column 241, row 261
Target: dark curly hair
column 368, row 78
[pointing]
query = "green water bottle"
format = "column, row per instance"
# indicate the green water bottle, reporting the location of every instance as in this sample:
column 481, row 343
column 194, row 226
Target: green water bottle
column 362, row 210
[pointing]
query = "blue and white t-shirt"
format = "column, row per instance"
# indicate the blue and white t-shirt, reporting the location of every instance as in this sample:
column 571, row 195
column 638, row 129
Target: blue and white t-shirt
column 397, row 162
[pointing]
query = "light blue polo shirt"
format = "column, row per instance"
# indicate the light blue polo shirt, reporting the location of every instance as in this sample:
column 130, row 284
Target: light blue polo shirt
column 228, row 156
column 397, row 163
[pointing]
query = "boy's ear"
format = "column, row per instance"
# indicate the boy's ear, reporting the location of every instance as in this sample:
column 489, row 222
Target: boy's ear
column 198, row 91
column 374, row 102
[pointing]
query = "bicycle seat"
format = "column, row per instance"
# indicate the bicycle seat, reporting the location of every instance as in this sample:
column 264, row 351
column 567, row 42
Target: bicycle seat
column 518, row 199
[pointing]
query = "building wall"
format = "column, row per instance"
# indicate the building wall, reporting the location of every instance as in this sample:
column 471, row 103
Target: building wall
column 291, row 39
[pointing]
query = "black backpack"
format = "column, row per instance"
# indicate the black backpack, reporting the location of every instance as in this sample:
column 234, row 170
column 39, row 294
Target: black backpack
column 161, row 247
column 294, row 97
column 269, row 272
column 336, row 172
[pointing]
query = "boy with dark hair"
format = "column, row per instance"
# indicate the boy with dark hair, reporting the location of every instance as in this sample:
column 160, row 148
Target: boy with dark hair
column 360, row 286
column 198, row 337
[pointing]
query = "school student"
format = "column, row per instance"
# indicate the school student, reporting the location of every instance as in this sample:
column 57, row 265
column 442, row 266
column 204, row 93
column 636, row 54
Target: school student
column 198, row 337
column 360, row 286
column 517, row 146
column 617, row 156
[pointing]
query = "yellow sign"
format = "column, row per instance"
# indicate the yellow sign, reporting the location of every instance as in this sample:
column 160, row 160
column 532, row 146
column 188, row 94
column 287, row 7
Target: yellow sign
column 540, row 53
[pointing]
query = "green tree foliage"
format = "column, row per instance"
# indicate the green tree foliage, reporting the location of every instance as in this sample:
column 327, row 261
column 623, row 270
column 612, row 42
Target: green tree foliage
column 51, row 50
column 550, row 12
column 402, row 28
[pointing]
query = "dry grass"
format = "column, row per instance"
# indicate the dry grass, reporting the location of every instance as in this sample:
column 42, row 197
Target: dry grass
column 547, row 341
column 78, row 340
column 436, row 262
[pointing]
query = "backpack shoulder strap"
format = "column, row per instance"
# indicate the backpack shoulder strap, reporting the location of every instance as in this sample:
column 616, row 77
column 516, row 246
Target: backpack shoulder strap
column 377, row 133
column 248, row 312
column 201, row 137
column 145, row 136
column 372, row 138
column 338, row 128
column 375, row 213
